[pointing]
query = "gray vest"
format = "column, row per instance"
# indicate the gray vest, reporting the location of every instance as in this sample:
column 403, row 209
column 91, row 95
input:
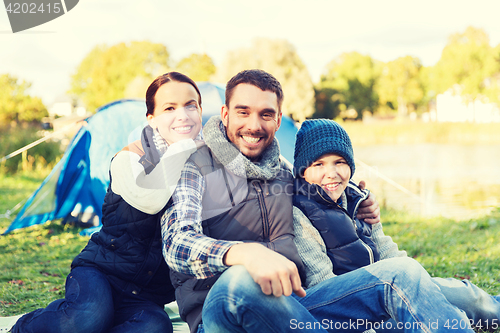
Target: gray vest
column 238, row 209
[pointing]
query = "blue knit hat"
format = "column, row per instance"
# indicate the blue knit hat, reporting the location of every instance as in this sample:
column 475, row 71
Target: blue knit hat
column 317, row 137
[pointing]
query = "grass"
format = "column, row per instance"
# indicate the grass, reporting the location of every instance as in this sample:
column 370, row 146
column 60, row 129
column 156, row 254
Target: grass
column 35, row 263
column 467, row 249
column 36, row 260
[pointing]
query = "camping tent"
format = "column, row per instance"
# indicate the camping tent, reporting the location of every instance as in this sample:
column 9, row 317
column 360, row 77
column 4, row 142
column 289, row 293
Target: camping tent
column 75, row 188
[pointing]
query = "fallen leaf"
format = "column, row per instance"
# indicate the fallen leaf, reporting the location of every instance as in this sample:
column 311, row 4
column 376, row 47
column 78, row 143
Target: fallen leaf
column 19, row 282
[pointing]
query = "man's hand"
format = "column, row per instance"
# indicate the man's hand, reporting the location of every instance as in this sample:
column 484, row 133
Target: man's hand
column 369, row 209
column 275, row 274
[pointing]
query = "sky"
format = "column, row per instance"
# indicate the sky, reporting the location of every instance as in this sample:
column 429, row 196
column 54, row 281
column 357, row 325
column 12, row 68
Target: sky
column 320, row 30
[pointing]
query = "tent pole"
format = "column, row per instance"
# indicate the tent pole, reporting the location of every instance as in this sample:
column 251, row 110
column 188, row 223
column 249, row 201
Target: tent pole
column 33, row 144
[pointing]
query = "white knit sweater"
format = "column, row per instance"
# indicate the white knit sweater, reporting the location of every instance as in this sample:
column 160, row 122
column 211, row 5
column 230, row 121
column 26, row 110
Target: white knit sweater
column 149, row 193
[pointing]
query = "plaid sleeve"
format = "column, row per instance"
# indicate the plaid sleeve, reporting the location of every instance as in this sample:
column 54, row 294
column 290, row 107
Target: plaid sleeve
column 185, row 248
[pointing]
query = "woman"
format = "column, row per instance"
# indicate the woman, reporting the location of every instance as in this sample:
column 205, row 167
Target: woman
column 120, row 282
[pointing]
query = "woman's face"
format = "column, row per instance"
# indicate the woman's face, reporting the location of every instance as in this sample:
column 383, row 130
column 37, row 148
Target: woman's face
column 177, row 114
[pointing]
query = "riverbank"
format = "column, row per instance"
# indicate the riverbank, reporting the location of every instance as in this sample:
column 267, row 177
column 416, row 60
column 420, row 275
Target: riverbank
column 448, row 169
column 406, row 132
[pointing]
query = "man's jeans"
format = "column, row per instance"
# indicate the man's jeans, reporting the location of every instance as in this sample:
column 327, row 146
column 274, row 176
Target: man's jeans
column 92, row 305
column 366, row 298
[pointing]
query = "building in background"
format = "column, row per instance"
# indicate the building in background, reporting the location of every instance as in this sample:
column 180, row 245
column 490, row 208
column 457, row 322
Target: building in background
column 451, row 107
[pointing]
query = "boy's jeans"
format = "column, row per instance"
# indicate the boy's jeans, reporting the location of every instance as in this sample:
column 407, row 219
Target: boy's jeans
column 366, row 298
column 92, row 305
column 481, row 308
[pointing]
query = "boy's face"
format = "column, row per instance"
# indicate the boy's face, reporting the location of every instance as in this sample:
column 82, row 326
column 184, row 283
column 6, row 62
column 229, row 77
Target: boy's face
column 252, row 119
column 331, row 172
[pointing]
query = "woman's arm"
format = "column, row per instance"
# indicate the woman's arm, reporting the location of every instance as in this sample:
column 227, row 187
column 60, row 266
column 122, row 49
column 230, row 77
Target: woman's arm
column 149, row 193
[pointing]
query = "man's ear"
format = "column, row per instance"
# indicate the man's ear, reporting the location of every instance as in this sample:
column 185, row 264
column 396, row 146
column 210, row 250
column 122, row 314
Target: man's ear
column 278, row 122
column 224, row 113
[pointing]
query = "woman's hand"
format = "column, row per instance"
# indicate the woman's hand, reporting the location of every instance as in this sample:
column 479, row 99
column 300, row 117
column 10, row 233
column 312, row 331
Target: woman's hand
column 199, row 143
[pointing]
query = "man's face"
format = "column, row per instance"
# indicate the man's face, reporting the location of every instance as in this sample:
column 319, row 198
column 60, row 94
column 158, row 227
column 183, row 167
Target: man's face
column 252, row 119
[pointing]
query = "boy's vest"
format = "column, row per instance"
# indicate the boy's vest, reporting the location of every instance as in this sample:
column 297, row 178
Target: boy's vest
column 347, row 239
column 128, row 248
column 237, row 209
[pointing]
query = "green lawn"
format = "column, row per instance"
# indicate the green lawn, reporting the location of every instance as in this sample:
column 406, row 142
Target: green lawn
column 466, row 249
column 36, row 260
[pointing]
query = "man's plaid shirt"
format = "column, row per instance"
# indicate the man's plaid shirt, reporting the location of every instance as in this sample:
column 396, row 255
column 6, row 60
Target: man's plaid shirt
column 185, row 247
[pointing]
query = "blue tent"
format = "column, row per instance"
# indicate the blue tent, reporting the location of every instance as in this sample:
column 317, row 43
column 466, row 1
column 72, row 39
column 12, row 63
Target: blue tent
column 75, row 188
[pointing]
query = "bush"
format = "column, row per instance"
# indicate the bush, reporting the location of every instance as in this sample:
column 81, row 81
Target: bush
column 13, row 138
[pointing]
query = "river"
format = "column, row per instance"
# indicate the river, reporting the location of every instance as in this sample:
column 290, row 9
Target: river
column 455, row 181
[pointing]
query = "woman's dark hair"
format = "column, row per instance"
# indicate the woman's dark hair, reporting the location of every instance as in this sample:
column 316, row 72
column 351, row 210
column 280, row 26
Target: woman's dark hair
column 161, row 80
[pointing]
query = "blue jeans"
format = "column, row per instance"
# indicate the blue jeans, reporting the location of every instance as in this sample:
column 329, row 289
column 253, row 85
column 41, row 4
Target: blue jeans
column 482, row 309
column 91, row 304
column 366, row 298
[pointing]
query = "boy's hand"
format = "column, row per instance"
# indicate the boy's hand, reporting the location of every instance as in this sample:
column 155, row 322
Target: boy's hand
column 369, row 209
column 275, row 274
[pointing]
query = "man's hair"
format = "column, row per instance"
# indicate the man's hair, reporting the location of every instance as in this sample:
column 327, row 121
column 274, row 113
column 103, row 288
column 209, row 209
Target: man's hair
column 161, row 80
column 256, row 77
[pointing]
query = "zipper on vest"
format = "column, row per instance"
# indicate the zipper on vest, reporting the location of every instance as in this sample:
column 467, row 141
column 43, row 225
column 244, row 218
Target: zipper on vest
column 370, row 251
column 342, row 208
column 263, row 211
column 227, row 186
column 357, row 204
column 368, row 248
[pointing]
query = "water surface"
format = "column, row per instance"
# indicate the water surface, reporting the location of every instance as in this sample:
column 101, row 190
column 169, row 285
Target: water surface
column 457, row 181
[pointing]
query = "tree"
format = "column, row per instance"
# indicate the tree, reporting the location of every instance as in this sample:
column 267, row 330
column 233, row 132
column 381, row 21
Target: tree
column 469, row 61
column 353, row 76
column 279, row 58
column 400, row 85
column 198, row 67
column 15, row 103
column 493, row 83
column 106, row 73
column 327, row 103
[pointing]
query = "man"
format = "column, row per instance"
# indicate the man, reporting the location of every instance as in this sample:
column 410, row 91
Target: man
column 229, row 238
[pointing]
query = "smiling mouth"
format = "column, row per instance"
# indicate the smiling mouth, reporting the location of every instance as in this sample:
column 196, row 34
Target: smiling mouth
column 183, row 129
column 331, row 187
column 250, row 139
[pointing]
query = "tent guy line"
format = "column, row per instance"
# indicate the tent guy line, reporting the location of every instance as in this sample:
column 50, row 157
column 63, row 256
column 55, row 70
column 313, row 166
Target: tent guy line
column 37, row 142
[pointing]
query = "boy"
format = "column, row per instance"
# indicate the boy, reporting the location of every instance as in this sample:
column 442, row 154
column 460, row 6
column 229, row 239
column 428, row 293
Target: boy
column 324, row 192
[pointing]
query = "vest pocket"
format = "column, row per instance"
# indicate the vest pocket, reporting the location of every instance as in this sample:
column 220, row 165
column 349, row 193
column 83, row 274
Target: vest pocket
column 114, row 243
